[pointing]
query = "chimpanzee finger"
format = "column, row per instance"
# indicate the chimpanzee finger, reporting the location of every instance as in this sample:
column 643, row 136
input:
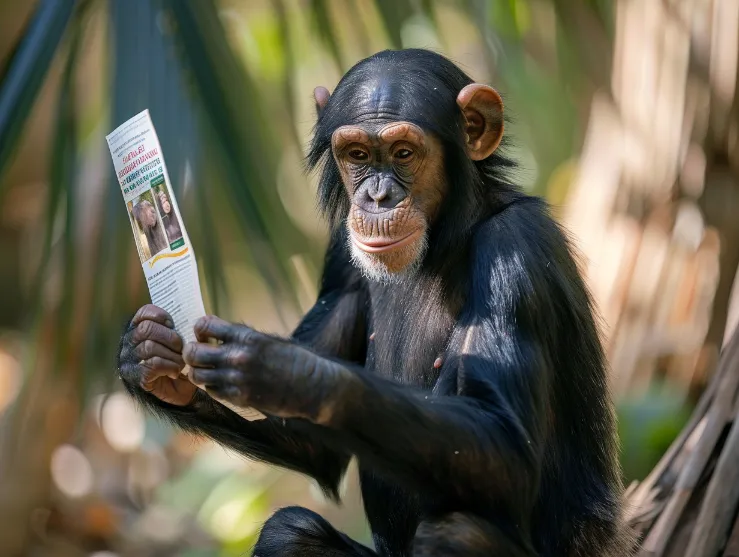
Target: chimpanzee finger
column 212, row 327
column 200, row 354
column 156, row 367
column 150, row 348
column 215, row 378
column 154, row 313
column 150, row 330
column 224, row 392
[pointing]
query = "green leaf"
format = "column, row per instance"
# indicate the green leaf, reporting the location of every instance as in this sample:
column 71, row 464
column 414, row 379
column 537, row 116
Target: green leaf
column 63, row 179
column 394, row 14
column 245, row 145
column 288, row 84
column 325, row 28
column 26, row 71
column 59, row 204
column 211, row 253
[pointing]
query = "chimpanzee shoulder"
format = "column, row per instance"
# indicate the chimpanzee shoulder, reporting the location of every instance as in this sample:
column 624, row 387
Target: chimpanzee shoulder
column 523, row 244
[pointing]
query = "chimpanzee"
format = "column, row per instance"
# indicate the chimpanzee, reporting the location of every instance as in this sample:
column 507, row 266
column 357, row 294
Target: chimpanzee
column 453, row 348
column 146, row 216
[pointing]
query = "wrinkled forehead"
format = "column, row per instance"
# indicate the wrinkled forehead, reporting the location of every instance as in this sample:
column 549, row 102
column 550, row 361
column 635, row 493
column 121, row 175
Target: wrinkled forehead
column 383, row 96
column 377, row 101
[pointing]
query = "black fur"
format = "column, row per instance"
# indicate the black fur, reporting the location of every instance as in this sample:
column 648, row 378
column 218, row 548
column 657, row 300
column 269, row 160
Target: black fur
column 298, row 532
column 510, row 447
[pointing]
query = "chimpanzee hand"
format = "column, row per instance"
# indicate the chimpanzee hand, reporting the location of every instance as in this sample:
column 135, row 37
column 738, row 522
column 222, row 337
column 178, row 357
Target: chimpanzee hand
column 251, row 369
column 151, row 357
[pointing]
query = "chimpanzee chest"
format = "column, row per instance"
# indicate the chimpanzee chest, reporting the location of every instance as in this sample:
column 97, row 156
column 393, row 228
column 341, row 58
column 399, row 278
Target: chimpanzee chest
column 409, row 329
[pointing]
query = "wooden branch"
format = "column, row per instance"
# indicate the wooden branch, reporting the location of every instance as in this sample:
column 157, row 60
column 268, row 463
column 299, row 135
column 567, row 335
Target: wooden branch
column 732, row 547
column 638, row 494
column 719, row 504
column 659, row 536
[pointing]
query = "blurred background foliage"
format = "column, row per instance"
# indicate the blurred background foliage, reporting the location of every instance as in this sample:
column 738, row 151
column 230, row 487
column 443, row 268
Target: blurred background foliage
column 229, row 87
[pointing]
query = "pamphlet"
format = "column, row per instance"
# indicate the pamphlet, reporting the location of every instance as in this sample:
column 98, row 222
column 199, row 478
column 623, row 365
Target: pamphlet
column 164, row 247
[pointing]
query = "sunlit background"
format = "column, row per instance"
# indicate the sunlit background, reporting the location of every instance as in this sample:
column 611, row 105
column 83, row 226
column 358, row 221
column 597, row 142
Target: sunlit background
column 624, row 114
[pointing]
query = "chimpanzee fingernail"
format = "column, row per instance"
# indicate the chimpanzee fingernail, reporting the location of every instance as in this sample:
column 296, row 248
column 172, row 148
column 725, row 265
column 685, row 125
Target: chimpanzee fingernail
column 169, row 323
column 437, row 363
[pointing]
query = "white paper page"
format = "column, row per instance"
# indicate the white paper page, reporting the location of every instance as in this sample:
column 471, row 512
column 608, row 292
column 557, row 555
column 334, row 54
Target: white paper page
column 164, row 247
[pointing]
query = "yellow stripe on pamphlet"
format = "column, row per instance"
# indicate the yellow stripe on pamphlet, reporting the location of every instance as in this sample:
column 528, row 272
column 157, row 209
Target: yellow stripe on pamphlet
column 163, row 255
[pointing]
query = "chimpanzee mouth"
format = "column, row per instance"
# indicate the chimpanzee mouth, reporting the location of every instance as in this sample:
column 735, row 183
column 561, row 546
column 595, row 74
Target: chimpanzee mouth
column 380, row 245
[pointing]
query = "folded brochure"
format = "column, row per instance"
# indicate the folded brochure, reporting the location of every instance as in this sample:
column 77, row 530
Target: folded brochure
column 164, row 247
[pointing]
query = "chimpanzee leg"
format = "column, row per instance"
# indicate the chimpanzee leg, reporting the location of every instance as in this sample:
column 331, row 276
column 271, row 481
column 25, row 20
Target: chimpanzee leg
column 465, row 535
column 298, row 532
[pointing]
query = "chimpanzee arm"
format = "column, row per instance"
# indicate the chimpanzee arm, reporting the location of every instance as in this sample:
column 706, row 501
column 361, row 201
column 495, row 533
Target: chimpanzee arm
column 334, row 327
column 293, row 444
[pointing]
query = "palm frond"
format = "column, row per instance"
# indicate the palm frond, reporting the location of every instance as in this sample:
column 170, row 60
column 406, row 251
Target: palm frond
column 62, row 179
column 394, row 14
column 26, row 70
column 60, row 203
column 245, row 142
column 326, row 30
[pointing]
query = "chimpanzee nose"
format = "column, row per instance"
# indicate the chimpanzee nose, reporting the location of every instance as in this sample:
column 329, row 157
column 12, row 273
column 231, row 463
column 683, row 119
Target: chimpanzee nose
column 379, row 193
column 380, row 190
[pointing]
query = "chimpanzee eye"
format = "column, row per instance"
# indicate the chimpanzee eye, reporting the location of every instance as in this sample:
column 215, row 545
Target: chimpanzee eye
column 358, row 155
column 403, row 154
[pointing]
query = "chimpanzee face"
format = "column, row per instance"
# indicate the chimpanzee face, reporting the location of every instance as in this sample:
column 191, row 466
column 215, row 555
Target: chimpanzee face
column 392, row 167
column 166, row 207
column 150, row 216
column 393, row 175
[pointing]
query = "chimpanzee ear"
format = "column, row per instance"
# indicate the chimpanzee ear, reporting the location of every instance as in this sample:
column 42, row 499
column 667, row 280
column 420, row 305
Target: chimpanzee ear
column 321, row 96
column 483, row 113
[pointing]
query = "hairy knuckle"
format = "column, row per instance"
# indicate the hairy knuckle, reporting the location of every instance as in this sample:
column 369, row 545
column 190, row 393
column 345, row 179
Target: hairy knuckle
column 239, row 357
column 143, row 330
column 147, row 348
column 147, row 374
column 250, row 340
column 241, row 333
column 236, row 377
column 156, row 363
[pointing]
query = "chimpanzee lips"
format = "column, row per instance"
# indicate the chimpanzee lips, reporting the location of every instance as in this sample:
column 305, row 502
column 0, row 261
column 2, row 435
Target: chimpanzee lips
column 380, row 245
